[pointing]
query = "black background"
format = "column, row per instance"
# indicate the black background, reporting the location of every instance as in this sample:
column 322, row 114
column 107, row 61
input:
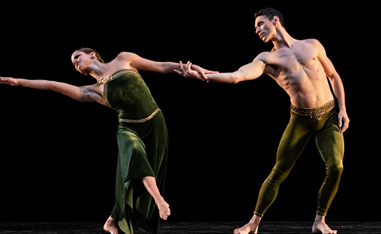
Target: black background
column 58, row 156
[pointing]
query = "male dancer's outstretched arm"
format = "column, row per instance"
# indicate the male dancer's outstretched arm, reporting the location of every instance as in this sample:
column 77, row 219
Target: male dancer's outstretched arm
column 249, row 71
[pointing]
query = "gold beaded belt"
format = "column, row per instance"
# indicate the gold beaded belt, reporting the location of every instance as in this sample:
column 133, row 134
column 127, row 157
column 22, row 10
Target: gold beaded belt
column 140, row 120
column 314, row 112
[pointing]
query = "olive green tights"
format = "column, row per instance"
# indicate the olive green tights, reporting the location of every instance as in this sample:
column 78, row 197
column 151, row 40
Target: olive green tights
column 330, row 143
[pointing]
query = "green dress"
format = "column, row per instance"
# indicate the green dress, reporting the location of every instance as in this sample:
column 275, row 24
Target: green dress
column 142, row 150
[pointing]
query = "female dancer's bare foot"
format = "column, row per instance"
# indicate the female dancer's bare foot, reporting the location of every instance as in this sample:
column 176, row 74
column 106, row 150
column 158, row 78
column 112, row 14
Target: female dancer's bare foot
column 151, row 186
column 320, row 226
column 164, row 210
column 110, row 226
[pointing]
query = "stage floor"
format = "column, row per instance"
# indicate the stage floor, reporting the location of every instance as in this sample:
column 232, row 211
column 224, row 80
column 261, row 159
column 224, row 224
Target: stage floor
column 186, row 227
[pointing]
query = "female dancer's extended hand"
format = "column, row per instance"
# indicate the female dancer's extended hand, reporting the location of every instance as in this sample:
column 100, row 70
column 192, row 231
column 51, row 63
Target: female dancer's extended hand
column 9, row 81
column 190, row 70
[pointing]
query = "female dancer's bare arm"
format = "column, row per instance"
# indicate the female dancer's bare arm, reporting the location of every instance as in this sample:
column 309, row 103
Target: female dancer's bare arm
column 141, row 63
column 84, row 93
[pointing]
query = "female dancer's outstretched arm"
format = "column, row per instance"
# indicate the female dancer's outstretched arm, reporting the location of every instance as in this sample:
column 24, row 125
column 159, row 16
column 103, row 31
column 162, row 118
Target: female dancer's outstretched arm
column 88, row 93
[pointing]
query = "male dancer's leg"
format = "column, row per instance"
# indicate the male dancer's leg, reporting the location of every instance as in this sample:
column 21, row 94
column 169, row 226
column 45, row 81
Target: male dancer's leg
column 292, row 144
column 293, row 141
column 330, row 143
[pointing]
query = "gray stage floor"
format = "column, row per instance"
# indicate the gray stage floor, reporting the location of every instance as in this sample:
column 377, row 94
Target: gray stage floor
column 186, row 227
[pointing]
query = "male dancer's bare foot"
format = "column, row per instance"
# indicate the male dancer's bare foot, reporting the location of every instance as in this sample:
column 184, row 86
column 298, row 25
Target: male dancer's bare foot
column 110, row 226
column 320, row 226
column 247, row 228
column 164, row 210
column 250, row 227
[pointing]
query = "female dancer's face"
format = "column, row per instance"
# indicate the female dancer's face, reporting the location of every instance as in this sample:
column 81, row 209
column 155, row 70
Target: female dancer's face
column 81, row 61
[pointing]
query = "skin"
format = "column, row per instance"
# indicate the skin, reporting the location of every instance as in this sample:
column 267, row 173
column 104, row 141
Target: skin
column 87, row 64
column 301, row 69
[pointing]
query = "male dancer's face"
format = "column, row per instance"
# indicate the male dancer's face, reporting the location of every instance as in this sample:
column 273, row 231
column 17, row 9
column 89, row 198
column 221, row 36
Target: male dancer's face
column 264, row 28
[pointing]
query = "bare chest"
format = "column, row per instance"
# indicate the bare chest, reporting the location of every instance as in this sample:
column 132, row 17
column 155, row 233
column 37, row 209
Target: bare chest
column 292, row 60
column 296, row 69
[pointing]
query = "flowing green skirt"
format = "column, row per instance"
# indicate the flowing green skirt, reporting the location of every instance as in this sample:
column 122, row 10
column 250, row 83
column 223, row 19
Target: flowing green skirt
column 142, row 151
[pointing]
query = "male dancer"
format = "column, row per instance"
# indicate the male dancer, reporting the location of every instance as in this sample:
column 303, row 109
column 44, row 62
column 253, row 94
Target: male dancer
column 301, row 68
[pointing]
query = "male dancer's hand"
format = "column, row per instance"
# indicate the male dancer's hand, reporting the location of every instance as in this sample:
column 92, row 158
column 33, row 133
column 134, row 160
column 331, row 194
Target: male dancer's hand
column 343, row 121
column 190, row 70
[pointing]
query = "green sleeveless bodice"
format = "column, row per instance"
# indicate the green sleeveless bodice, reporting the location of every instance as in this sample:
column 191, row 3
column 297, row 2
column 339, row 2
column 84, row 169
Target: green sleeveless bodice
column 126, row 92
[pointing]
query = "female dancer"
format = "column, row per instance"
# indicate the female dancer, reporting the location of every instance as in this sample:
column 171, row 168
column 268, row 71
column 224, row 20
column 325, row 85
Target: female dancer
column 142, row 133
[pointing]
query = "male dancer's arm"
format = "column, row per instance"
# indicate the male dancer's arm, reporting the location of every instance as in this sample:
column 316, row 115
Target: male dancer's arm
column 337, row 86
column 249, row 71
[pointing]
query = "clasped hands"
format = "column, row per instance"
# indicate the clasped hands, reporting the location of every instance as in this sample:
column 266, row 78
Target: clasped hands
column 190, row 70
